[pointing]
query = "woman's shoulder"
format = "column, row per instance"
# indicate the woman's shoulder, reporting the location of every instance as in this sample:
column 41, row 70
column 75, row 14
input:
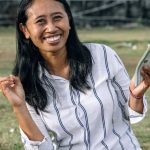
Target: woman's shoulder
column 97, row 48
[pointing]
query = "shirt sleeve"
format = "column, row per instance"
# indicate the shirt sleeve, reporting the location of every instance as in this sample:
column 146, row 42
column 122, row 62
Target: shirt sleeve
column 46, row 143
column 121, row 82
column 137, row 117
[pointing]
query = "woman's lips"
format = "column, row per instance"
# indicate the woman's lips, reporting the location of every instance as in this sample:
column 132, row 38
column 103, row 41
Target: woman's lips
column 52, row 39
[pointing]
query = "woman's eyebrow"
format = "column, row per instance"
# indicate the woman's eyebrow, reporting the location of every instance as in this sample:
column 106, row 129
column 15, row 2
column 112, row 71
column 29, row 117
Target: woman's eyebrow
column 41, row 16
column 55, row 13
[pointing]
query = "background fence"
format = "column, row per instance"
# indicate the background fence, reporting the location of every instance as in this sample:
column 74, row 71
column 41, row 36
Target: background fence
column 92, row 12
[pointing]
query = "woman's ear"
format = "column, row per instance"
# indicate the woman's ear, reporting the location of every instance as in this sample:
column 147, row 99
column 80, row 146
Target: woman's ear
column 24, row 29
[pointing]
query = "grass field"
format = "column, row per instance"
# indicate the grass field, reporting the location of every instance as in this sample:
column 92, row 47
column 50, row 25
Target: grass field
column 129, row 44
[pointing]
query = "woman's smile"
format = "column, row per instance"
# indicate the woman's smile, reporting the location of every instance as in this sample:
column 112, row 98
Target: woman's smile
column 53, row 39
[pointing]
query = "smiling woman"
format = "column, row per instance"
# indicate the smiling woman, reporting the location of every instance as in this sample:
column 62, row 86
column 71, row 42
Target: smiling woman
column 79, row 92
column 48, row 28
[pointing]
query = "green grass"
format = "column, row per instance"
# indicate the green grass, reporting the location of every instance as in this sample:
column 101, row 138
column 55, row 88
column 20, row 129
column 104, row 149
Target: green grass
column 130, row 44
column 9, row 132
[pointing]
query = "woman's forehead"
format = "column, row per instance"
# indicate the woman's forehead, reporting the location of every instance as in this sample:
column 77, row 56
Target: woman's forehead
column 42, row 7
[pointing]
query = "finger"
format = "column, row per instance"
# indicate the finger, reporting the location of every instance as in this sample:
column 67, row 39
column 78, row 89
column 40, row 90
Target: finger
column 146, row 69
column 17, row 82
column 145, row 74
column 6, row 85
column 4, row 79
column 10, row 79
column 146, row 81
column 7, row 79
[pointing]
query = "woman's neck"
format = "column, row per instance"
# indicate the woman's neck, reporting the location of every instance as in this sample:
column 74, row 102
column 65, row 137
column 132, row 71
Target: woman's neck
column 57, row 64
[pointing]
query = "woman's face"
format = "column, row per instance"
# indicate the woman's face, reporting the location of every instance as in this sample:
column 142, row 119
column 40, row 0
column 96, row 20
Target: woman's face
column 47, row 26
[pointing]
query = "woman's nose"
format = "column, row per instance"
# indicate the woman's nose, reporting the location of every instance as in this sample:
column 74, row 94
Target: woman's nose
column 50, row 27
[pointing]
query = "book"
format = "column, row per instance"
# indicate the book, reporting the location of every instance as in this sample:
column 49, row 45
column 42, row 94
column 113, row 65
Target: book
column 145, row 59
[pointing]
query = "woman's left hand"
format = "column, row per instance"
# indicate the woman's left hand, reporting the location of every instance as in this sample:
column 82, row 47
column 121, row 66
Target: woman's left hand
column 137, row 92
column 145, row 83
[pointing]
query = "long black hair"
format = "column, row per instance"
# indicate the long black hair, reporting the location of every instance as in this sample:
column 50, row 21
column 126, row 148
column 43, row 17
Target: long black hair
column 28, row 58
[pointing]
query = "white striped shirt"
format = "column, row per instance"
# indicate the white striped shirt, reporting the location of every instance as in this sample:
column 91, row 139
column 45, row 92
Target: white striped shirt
column 95, row 120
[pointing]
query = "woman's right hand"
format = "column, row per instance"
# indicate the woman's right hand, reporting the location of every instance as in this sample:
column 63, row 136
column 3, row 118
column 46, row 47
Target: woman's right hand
column 13, row 90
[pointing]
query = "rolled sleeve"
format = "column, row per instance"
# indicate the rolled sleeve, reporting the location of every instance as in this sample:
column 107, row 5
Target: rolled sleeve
column 136, row 117
column 46, row 143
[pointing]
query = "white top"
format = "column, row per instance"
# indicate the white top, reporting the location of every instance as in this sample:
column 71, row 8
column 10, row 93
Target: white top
column 96, row 120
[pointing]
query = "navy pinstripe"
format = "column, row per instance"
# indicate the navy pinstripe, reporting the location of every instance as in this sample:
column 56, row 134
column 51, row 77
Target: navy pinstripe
column 107, row 68
column 101, row 104
column 120, row 105
column 86, row 118
column 85, row 141
column 123, row 95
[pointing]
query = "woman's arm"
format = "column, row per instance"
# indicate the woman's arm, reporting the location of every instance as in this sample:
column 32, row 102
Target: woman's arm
column 27, row 124
column 13, row 91
column 121, row 83
column 33, row 131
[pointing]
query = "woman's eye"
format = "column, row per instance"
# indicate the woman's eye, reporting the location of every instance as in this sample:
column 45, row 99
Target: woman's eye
column 40, row 21
column 57, row 18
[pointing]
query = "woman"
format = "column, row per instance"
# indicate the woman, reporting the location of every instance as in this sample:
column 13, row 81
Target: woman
column 79, row 92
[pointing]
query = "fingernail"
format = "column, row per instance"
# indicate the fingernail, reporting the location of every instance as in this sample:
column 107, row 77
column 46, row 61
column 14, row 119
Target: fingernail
column 12, row 85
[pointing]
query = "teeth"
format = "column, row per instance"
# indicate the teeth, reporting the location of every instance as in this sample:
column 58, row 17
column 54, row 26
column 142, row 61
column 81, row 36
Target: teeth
column 52, row 39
